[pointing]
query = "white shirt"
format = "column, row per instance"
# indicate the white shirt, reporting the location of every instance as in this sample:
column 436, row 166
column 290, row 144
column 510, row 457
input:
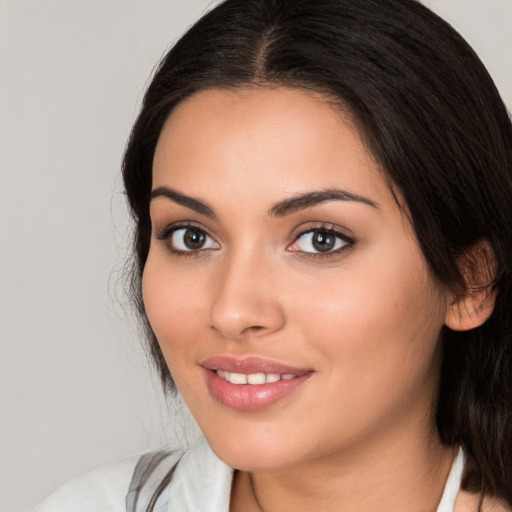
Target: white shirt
column 201, row 482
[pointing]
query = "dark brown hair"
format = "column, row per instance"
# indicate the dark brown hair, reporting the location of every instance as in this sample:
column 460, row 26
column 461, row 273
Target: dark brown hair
column 431, row 116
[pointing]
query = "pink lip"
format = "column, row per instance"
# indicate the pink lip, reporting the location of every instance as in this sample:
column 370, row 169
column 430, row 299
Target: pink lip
column 247, row 397
column 249, row 365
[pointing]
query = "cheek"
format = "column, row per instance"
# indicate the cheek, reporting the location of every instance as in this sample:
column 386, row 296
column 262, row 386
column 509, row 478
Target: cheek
column 376, row 318
column 375, row 345
column 174, row 304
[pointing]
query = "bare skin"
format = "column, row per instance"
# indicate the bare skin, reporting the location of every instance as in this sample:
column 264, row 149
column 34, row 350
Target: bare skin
column 362, row 318
column 301, row 488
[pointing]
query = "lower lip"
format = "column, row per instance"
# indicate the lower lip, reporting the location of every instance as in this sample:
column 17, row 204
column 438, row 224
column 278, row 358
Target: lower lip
column 251, row 397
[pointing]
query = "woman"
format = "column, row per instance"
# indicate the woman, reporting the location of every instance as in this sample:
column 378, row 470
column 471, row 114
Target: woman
column 321, row 192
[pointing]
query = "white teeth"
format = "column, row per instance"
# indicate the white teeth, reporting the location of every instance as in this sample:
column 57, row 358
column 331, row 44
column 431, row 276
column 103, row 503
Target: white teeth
column 223, row 374
column 254, row 378
column 238, row 378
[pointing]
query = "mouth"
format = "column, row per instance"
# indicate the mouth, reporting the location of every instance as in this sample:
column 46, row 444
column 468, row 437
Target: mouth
column 251, row 384
column 254, row 379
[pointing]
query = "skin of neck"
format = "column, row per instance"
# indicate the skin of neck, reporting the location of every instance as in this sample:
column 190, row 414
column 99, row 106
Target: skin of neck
column 399, row 469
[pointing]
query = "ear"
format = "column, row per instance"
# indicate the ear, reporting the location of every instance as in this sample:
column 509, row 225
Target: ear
column 476, row 304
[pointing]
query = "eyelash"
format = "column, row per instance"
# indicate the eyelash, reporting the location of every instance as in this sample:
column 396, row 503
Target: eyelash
column 349, row 242
column 168, row 231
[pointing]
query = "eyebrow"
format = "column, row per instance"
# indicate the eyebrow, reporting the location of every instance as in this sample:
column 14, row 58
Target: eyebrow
column 309, row 199
column 280, row 209
column 179, row 198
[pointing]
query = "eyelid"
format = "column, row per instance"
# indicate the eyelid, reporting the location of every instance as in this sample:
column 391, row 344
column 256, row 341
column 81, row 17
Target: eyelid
column 169, row 229
column 165, row 235
column 337, row 231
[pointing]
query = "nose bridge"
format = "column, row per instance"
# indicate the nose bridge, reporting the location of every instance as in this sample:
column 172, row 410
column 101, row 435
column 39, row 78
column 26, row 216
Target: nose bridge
column 245, row 302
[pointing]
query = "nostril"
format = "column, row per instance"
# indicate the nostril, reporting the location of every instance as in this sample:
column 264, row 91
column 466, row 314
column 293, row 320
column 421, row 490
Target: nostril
column 255, row 328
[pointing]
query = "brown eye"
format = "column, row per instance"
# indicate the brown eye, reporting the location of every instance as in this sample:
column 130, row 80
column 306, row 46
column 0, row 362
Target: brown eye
column 194, row 239
column 323, row 241
column 191, row 239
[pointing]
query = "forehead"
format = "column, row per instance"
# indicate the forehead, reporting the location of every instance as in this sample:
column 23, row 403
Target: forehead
column 285, row 140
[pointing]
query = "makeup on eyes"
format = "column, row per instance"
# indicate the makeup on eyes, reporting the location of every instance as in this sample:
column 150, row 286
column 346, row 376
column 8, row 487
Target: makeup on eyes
column 326, row 239
column 322, row 240
column 194, row 239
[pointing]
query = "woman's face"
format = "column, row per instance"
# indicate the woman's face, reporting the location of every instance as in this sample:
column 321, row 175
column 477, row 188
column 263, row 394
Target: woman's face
column 286, row 289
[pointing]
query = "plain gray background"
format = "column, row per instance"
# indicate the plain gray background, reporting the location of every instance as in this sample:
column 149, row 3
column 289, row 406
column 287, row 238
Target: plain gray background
column 75, row 387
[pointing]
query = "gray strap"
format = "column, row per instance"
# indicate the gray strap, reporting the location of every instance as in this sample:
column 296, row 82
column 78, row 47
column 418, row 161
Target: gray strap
column 151, row 476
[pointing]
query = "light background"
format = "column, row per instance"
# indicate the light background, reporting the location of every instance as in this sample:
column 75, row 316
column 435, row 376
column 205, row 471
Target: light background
column 75, row 388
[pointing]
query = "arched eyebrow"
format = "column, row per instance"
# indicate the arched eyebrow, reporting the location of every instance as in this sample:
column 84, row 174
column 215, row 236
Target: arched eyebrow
column 280, row 209
column 302, row 201
column 179, row 198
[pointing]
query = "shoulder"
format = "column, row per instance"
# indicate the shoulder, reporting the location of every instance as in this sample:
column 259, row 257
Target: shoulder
column 109, row 487
column 101, row 489
column 201, row 481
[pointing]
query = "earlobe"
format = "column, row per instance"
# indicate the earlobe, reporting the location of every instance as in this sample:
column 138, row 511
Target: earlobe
column 471, row 310
column 475, row 306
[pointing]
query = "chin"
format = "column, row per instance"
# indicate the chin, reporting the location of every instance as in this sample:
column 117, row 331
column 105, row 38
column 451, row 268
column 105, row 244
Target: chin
column 252, row 460
column 259, row 450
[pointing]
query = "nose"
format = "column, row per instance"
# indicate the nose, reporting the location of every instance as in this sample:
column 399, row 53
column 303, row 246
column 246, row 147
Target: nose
column 246, row 302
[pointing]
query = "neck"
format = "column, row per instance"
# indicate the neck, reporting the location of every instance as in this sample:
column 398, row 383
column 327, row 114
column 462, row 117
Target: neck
column 402, row 474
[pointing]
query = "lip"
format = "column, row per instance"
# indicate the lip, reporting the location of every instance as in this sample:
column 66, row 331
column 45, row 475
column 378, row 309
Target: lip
column 250, row 397
column 250, row 365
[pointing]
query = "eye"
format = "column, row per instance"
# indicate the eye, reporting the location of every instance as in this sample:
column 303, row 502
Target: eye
column 321, row 241
column 187, row 239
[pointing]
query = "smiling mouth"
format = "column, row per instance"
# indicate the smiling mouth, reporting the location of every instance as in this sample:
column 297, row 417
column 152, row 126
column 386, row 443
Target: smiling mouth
column 254, row 378
column 252, row 384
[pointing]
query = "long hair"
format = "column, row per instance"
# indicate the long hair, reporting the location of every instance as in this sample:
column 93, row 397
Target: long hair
column 431, row 116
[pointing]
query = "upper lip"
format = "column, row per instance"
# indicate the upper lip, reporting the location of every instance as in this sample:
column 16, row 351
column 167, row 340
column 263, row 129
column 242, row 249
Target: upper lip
column 250, row 365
